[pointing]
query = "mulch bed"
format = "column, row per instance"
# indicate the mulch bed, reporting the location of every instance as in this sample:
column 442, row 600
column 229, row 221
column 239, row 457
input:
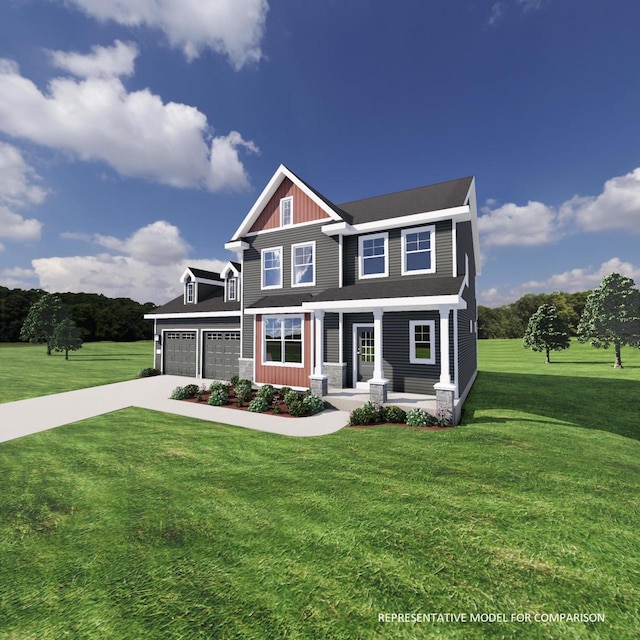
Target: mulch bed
column 284, row 411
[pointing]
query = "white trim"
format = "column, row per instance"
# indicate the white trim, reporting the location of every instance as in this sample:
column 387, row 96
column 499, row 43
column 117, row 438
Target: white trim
column 340, row 261
column 287, row 199
column 270, row 311
column 341, row 338
column 229, row 267
column 263, row 352
column 252, row 234
column 189, row 292
column 262, row 252
column 454, row 248
column 195, row 314
column 414, row 303
column 227, row 297
column 354, row 355
column 456, row 380
column 269, row 191
column 311, row 243
column 412, row 341
column 460, row 213
column 432, row 250
column 373, row 236
column 237, row 245
column 473, row 208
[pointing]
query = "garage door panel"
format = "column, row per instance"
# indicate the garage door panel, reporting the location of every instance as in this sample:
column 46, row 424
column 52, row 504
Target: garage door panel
column 180, row 353
column 221, row 352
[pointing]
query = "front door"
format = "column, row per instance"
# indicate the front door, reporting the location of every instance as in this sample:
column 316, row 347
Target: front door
column 364, row 354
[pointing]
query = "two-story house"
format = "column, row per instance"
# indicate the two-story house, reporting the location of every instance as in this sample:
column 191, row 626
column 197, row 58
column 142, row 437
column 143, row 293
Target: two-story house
column 374, row 294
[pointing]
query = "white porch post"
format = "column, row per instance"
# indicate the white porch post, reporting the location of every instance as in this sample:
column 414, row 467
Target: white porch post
column 377, row 384
column 319, row 381
column 319, row 331
column 445, row 390
column 445, row 376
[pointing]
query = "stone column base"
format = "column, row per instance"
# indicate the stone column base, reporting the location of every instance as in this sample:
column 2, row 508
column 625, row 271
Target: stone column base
column 378, row 391
column 445, row 401
column 337, row 373
column 319, row 385
column 245, row 368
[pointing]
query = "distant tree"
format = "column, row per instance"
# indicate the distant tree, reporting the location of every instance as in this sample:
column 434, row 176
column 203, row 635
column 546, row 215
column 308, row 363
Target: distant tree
column 66, row 337
column 547, row 331
column 612, row 316
column 43, row 317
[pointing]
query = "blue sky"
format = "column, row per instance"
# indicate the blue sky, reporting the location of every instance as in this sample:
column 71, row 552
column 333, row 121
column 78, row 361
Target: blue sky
column 135, row 136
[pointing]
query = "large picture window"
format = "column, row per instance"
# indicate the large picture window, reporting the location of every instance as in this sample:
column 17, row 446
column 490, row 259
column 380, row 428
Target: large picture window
column 282, row 342
column 374, row 255
column 418, row 250
column 421, row 341
column 272, row 268
column 303, row 271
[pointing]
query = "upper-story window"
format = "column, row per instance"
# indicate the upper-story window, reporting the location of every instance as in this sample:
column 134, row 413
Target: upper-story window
column 303, row 271
column 373, row 251
column 232, row 292
column 272, row 268
column 286, row 211
column 418, row 250
column 190, row 287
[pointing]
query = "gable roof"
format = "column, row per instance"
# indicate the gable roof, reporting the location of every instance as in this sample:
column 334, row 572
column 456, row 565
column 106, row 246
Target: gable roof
column 434, row 197
column 200, row 274
column 213, row 302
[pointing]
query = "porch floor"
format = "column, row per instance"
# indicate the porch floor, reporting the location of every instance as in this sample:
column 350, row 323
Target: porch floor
column 349, row 399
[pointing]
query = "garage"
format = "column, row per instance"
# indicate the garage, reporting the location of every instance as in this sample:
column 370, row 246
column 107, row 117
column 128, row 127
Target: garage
column 220, row 353
column 180, row 353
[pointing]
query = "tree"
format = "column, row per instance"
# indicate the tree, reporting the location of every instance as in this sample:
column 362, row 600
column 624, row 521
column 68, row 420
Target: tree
column 547, row 331
column 43, row 317
column 67, row 337
column 612, row 316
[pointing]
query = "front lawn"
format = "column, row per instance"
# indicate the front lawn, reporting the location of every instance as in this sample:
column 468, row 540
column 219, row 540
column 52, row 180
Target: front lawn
column 26, row 371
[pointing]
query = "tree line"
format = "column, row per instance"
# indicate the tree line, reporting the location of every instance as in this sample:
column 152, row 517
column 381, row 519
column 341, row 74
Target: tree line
column 96, row 316
column 510, row 320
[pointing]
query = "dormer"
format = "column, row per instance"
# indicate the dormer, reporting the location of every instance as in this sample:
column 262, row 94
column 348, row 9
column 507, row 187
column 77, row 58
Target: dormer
column 196, row 281
column 231, row 277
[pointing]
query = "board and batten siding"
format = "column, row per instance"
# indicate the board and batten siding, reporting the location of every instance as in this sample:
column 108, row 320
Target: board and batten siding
column 304, row 209
column 283, row 375
column 443, row 254
column 326, row 261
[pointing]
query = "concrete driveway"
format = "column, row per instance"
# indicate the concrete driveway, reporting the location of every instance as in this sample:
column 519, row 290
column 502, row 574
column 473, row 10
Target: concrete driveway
column 23, row 417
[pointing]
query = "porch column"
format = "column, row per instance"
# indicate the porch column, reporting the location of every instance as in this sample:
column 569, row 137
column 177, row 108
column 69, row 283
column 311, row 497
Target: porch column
column 445, row 390
column 319, row 380
column 377, row 384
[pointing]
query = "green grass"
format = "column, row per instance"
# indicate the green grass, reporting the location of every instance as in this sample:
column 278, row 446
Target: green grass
column 142, row 525
column 26, row 371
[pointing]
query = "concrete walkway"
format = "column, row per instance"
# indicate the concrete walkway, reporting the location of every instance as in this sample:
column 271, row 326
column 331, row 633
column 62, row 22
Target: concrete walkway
column 23, row 417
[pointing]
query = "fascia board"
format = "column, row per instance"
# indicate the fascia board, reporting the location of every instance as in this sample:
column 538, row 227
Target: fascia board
column 254, row 311
column 193, row 314
column 281, row 173
column 416, row 303
column 238, row 245
column 473, row 207
column 460, row 213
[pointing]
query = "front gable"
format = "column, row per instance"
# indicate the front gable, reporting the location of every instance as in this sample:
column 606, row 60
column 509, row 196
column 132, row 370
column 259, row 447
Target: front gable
column 307, row 206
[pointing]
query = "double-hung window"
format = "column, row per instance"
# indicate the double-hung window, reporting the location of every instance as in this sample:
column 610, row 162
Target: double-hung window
column 303, row 272
column 272, row 268
column 231, row 288
column 286, row 211
column 418, row 252
column 190, row 287
column 421, row 341
column 282, row 342
column 373, row 251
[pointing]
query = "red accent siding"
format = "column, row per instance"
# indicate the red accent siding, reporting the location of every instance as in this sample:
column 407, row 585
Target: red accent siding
column 289, row 376
column 304, row 209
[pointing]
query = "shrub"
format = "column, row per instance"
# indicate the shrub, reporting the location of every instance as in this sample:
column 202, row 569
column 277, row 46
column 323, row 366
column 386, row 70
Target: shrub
column 394, row 414
column 219, row 397
column 313, row 404
column 242, row 390
column 258, row 404
column 147, row 372
column 234, row 380
column 182, row 393
column 366, row 414
column 291, row 397
column 219, row 386
column 282, row 392
column 296, row 406
column 443, row 417
column 419, row 418
column 267, row 392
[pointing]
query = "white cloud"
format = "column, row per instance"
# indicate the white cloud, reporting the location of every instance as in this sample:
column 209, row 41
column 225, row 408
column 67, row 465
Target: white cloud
column 234, row 28
column 18, row 278
column 103, row 62
column 17, row 179
column 137, row 134
column 498, row 9
column 616, row 207
column 15, row 227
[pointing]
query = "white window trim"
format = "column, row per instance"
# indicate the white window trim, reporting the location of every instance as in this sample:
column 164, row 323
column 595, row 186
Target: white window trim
column 412, row 341
column 282, row 200
column 312, row 243
column 271, row 363
column 262, row 273
column 373, row 236
column 190, row 287
column 233, row 280
column 432, row 230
